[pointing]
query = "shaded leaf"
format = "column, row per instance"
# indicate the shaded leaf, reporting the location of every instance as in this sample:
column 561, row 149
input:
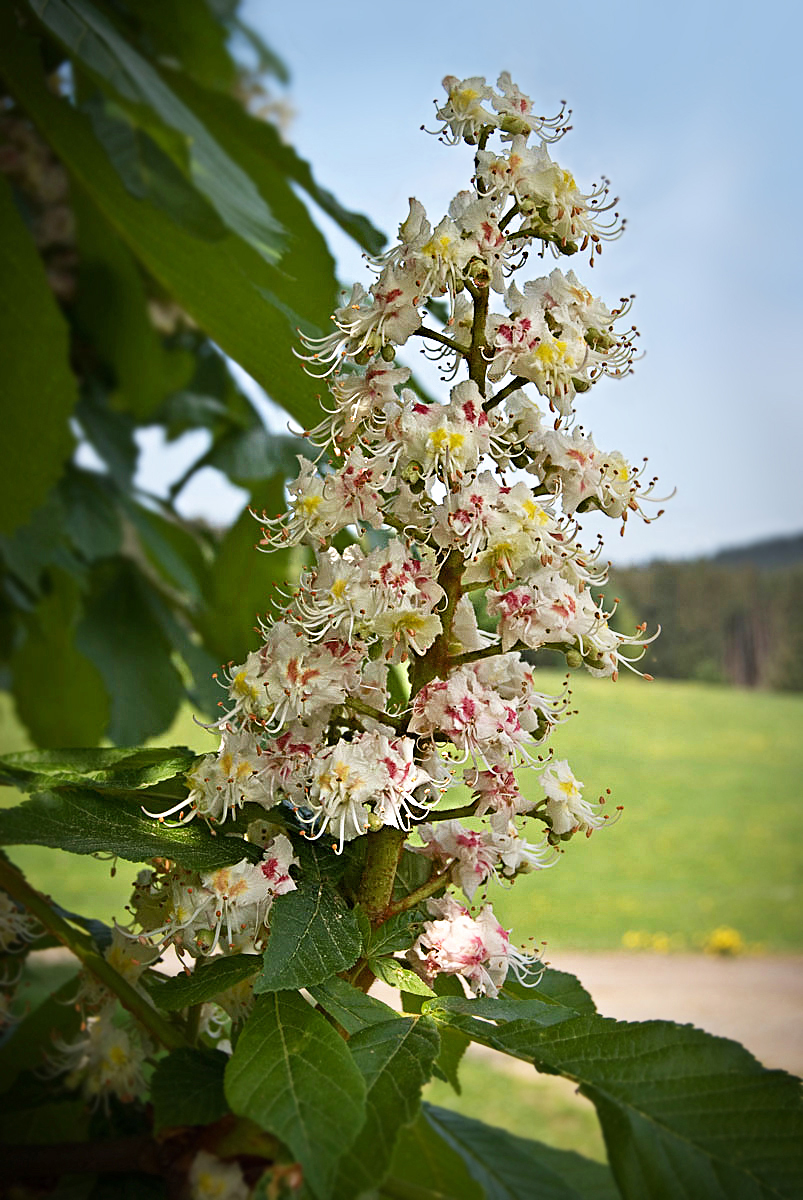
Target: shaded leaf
column 351, row 1008
column 245, row 455
column 454, row 1044
column 514, row 1168
column 294, row 1075
column 120, row 636
column 84, row 823
column 219, row 288
column 391, row 971
column 39, row 388
column 424, row 1167
column 187, row 1088
column 683, row 1113
column 239, row 585
column 313, row 935
column 150, row 174
column 398, row 933
column 117, row 768
column 395, row 1060
column 114, row 64
column 58, row 691
column 25, row 1044
column 205, row 982
column 111, row 314
column 89, row 514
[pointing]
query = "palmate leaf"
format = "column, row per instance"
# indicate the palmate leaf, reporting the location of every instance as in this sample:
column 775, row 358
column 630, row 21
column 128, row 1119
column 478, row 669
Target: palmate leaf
column 425, row 1167
column 114, row 64
column 205, row 983
column 313, row 936
column 294, row 1075
column 352, row 1009
column 217, row 283
column 187, row 1088
column 395, row 1059
column 514, row 1168
column 39, row 388
column 684, row 1114
column 265, row 142
column 115, row 768
column 84, row 822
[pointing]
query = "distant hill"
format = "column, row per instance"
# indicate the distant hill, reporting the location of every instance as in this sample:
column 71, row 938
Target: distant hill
column 767, row 555
column 733, row 617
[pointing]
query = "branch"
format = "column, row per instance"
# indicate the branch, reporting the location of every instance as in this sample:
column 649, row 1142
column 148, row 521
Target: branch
column 83, row 949
column 434, row 884
column 424, row 332
column 375, row 714
column 450, row 814
column 513, row 386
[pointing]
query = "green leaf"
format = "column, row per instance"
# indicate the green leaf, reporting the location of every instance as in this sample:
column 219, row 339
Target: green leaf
column 513, row 1168
column 114, row 64
column 187, row 1089
column 32, row 549
column 240, row 582
column 58, row 691
column 558, row 997
column 111, row 433
column 116, row 768
column 43, row 1124
column 454, row 1044
column 313, row 935
column 308, row 284
column 683, row 1113
column 424, row 1167
column 39, row 388
column 352, row 1009
column 396, row 934
column 150, row 174
column 413, row 871
column 192, row 35
column 84, row 823
column 205, row 982
column 395, row 1059
column 245, row 455
column 391, row 971
column 295, row 1076
column 123, row 640
column 89, row 514
column 217, row 283
column 25, row 1046
column 171, row 548
column 111, row 313
column 260, row 149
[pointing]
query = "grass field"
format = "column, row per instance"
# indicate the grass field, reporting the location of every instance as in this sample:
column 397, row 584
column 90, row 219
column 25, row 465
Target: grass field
column 710, row 782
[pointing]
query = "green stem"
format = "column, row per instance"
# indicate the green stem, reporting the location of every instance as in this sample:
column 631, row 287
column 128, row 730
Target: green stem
column 477, row 365
column 450, row 814
column 382, row 859
column 424, row 332
column 83, row 949
column 365, row 710
column 433, row 885
column 501, row 395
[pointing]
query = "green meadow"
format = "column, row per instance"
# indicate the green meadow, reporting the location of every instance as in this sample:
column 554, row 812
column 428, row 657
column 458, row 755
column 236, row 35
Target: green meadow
column 709, row 780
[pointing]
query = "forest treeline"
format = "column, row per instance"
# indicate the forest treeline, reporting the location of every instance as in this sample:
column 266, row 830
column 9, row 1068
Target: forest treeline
column 733, row 618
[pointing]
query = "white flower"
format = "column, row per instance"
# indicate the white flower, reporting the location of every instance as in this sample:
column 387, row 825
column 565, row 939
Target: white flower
column 565, row 806
column 212, row 1179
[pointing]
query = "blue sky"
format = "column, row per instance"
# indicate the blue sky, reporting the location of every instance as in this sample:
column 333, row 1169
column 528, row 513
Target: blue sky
column 692, row 111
